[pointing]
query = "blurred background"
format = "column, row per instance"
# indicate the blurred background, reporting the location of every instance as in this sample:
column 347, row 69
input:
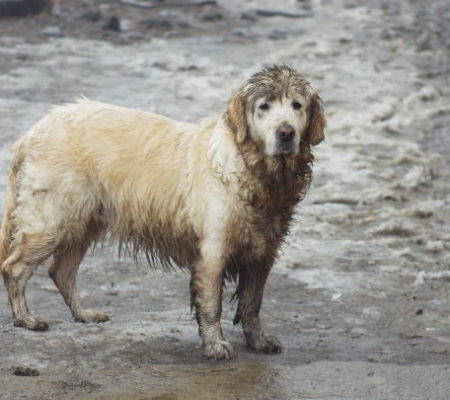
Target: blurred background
column 360, row 294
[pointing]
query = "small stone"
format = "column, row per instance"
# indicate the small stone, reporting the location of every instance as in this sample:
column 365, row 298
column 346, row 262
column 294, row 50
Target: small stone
column 22, row 8
column 22, row 370
column 51, row 31
column 112, row 24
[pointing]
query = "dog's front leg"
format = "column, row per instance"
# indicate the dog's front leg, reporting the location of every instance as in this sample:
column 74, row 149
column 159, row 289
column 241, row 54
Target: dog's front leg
column 252, row 279
column 206, row 297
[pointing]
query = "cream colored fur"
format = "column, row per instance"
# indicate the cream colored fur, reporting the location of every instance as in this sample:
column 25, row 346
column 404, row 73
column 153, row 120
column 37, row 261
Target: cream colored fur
column 196, row 195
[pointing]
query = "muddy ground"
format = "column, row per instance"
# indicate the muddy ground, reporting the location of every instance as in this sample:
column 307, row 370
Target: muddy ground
column 360, row 296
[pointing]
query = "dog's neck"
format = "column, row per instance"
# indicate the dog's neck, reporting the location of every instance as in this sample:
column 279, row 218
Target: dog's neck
column 226, row 160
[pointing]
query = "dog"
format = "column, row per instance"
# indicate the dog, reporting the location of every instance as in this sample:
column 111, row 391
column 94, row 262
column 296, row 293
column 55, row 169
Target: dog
column 216, row 197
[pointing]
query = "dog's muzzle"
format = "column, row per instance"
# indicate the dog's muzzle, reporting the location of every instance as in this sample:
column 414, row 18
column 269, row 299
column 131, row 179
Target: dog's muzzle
column 285, row 139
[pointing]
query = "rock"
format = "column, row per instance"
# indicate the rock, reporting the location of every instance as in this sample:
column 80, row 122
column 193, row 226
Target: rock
column 112, row 24
column 89, row 15
column 22, row 8
column 23, row 370
column 51, row 31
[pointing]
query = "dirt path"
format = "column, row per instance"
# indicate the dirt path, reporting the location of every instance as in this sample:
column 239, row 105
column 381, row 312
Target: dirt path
column 360, row 297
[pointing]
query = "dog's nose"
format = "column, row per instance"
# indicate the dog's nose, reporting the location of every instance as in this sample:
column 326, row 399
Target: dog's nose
column 285, row 133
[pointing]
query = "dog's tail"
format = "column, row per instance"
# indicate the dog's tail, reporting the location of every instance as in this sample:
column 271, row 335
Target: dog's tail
column 5, row 230
column 7, row 227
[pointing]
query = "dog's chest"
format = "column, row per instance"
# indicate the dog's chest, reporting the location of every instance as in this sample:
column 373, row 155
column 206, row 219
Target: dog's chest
column 259, row 224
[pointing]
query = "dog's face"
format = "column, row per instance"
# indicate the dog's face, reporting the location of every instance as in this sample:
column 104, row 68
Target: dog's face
column 278, row 123
column 277, row 109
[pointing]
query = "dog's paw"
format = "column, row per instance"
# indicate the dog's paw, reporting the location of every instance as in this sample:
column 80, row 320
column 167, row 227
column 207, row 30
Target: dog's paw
column 220, row 350
column 31, row 322
column 92, row 315
column 265, row 344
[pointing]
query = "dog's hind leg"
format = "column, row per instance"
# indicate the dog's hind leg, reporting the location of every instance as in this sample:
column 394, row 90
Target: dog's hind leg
column 27, row 252
column 64, row 270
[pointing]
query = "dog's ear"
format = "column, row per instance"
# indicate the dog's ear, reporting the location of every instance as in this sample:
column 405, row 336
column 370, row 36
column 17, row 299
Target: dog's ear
column 317, row 121
column 235, row 116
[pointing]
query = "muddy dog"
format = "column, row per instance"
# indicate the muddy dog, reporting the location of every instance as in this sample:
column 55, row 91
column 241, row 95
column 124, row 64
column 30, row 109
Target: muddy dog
column 216, row 197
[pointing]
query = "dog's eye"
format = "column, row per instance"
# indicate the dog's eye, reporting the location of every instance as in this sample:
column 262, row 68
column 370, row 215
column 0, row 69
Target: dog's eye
column 296, row 105
column 264, row 107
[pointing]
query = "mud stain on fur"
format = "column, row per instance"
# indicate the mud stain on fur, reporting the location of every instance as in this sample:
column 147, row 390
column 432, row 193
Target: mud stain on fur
column 216, row 197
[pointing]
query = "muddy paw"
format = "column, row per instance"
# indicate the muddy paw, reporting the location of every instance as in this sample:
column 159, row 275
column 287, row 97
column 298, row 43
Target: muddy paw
column 91, row 315
column 32, row 323
column 265, row 344
column 220, row 350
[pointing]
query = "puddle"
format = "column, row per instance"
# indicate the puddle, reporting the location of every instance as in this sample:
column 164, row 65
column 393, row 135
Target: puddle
column 221, row 382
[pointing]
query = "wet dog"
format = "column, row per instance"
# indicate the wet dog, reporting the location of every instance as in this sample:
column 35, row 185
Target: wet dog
column 216, row 197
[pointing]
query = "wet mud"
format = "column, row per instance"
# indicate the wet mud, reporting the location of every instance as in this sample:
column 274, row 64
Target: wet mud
column 360, row 296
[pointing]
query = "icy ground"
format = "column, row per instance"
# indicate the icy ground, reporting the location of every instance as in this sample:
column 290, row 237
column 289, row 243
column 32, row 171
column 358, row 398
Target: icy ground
column 360, row 296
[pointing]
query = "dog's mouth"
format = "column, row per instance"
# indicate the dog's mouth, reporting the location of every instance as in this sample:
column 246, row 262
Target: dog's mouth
column 285, row 148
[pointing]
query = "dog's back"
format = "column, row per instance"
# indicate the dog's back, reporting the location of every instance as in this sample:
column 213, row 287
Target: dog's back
column 91, row 163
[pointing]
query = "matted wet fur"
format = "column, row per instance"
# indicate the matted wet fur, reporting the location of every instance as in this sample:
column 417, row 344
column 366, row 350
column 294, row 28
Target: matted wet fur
column 216, row 197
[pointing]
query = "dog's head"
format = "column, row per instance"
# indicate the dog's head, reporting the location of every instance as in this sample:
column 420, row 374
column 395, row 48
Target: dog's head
column 277, row 109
